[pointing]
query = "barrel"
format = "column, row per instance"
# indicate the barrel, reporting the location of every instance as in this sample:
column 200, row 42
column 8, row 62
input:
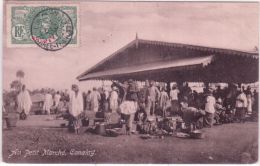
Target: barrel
column 100, row 129
column 11, row 120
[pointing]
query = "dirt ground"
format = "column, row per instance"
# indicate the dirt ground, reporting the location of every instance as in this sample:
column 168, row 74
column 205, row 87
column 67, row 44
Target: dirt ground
column 222, row 144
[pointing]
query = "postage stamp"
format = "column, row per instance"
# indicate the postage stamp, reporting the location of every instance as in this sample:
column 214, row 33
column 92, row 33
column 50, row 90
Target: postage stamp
column 49, row 27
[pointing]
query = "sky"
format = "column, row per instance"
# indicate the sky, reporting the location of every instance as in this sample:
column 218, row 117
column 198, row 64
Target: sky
column 105, row 27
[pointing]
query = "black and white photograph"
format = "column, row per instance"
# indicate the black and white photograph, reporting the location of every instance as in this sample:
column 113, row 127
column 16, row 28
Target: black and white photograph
column 130, row 82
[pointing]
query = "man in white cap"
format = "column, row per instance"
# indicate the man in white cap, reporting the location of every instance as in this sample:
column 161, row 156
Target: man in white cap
column 76, row 106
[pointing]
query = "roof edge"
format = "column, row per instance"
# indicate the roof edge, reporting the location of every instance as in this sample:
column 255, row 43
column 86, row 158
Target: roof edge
column 217, row 49
column 107, row 58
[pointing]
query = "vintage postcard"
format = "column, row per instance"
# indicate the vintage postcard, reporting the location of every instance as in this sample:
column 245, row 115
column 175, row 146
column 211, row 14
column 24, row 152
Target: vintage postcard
column 130, row 82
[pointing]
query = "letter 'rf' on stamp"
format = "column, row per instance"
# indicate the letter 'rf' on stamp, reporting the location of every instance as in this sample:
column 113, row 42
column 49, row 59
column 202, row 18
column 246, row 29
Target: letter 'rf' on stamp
column 56, row 26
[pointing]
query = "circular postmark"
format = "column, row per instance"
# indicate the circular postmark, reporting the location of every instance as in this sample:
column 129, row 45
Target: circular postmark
column 52, row 29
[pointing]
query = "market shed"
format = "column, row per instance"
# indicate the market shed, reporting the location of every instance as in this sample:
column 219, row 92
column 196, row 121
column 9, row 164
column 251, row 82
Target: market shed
column 174, row 62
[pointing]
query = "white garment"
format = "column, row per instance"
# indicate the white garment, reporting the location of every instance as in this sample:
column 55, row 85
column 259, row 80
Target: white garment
column 24, row 102
column 174, row 94
column 113, row 101
column 106, row 94
column 241, row 101
column 57, row 99
column 210, row 104
column 76, row 103
column 95, row 97
column 48, row 102
column 163, row 99
column 128, row 107
column 249, row 103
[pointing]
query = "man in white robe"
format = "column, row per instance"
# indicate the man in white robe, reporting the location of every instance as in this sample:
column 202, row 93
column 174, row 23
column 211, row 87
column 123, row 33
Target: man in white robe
column 24, row 101
column 113, row 100
column 57, row 97
column 76, row 107
column 48, row 102
column 76, row 101
column 95, row 98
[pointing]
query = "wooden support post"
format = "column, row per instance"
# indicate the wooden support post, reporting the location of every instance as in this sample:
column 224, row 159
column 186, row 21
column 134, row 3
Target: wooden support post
column 168, row 88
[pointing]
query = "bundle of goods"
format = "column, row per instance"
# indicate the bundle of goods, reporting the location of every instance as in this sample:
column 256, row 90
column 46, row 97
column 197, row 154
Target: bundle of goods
column 147, row 127
column 168, row 124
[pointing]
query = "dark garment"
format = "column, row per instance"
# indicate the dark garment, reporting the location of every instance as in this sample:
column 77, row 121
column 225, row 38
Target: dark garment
column 174, row 107
column 191, row 116
column 217, row 117
column 143, row 95
column 104, row 102
column 131, row 96
column 141, row 115
column 74, row 123
column 240, row 114
column 132, row 91
column 208, row 119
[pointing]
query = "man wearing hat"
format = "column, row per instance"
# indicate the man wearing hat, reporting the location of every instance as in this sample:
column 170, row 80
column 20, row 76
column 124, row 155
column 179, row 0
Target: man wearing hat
column 210, row 109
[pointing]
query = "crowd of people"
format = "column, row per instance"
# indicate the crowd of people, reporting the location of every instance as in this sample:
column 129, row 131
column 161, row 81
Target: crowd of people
column 212, row 106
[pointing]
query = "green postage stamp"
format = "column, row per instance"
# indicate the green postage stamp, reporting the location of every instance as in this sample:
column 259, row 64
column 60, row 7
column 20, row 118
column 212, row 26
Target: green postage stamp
column 49, row 27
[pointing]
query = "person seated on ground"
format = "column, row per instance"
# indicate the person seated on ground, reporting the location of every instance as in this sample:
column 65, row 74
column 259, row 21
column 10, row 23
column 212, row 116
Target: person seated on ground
column 140, row 117
column 141, row 114
column 227, row 116
column 219, row 109
column 191, row 117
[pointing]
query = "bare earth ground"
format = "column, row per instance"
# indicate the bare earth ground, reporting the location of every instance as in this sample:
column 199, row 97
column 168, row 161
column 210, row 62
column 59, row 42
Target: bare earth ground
column 222, row 144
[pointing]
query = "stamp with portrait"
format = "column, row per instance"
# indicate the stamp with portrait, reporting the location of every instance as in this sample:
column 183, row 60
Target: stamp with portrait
column 50, row 27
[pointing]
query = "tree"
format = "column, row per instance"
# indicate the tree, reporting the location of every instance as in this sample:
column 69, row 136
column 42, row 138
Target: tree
column 20, row 74
column 16, row 85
